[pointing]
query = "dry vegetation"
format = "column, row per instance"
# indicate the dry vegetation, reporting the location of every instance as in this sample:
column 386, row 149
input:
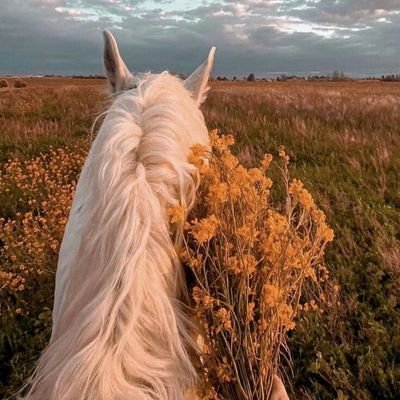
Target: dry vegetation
column 257, row 264
column 344, row 143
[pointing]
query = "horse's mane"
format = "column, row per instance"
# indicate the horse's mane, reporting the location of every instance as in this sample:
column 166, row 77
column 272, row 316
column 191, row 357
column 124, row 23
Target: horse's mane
column 118, row 328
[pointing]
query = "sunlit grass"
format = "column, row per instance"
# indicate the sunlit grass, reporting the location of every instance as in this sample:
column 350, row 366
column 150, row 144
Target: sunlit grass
column 344, row 143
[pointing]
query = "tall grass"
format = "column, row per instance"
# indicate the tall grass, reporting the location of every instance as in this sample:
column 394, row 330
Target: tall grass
column 344, row 143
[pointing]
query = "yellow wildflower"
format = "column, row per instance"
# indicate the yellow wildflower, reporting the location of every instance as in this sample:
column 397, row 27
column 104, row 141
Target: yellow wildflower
column 234, row 265
column 286, row 314
column 202, row 298
column 318, row 216
column 297, row 190
column 282, row 154
column 221, row 142
column 217, row 193
column 224, row 372
column 247, row 232
column 198, row 156
column 195, row 261
column 277, row 223
column 255, row 175
column 266, row 161
column 205, row 229
column 250, row 312
column 272, row 295
column 224, row 319
column 177, row 214
column 229, row 161
column 328, row 234
column 247, row 263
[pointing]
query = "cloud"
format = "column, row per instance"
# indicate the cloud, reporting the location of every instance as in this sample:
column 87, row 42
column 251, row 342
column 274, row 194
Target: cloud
column 261, row 36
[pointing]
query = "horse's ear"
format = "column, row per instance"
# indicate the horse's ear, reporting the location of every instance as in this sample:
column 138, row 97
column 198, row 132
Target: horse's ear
column 197, row 82
column 117, row 72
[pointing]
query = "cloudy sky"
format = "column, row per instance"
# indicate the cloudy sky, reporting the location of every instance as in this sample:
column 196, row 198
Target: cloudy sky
column 361, row 37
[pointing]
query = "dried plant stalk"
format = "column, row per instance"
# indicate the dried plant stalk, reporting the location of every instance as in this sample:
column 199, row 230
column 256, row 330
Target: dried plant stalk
column 250, row 261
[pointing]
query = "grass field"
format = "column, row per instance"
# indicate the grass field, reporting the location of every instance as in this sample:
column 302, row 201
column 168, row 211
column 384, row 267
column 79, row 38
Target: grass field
column 344, row 142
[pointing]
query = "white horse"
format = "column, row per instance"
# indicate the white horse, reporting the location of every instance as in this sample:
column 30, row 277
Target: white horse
column 119, row 332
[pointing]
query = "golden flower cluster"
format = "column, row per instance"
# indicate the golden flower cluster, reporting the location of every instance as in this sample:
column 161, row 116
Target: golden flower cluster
column 26, row 106
column 30, row 239
column 205, row 229
column 252, row 260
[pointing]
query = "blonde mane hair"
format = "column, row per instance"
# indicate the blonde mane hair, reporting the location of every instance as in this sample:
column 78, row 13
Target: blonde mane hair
column 119, row 330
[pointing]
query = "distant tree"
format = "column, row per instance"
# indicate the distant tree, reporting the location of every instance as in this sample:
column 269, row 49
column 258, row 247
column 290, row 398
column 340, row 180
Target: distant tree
column 234, row 78
column 251, row 78
column 338, row 75
column 391, row 78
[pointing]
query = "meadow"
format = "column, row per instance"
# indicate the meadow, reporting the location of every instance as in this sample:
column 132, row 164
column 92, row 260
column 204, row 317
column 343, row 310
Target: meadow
column 343, row 139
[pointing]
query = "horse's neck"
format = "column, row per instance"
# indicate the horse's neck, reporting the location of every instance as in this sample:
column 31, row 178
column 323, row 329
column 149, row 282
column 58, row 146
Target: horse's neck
column 154, row 130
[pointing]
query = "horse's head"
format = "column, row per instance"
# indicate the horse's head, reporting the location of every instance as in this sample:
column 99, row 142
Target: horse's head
column 117, row 266
column 121, row 79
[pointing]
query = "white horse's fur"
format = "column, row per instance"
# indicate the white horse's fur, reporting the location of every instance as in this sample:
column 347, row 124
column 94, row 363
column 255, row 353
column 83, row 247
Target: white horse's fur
column 119, row 332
